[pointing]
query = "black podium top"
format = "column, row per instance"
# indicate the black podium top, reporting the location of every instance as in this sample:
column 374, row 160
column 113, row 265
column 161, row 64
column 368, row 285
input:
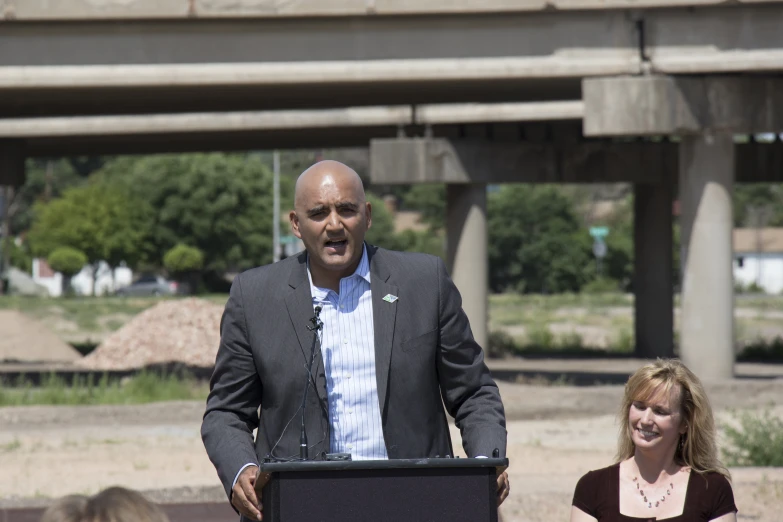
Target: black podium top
column 324, row 465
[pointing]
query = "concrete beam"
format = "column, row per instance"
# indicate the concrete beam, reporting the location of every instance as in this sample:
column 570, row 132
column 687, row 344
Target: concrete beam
column 315, row 73
column 439, row 160
column 156, row 9
column 714, row 39
column 666, row 105
column 422, row 160
column 294, row 119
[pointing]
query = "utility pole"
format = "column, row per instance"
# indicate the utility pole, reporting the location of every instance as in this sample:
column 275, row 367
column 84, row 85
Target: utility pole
column 276, row 207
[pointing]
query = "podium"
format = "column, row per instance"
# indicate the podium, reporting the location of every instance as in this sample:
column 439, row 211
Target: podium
column 410, row 490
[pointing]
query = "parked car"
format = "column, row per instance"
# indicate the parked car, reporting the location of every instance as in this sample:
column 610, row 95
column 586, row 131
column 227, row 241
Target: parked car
column 149, row 285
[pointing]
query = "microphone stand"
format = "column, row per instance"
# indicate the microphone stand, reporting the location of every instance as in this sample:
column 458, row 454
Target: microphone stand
column 316, row 326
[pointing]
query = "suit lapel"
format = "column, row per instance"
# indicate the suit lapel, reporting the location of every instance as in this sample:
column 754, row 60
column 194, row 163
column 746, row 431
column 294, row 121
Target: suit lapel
column 383, row 316
column 300, row 309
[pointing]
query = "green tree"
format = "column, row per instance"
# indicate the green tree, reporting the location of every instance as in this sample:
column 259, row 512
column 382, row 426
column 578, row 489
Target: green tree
column 69, row 262
column 96, row 219
column 184, row 263
column 536, row 243
column 430, row 200
column 381, row 232
column 218, row 203
column 758, row 205
column 45, row 179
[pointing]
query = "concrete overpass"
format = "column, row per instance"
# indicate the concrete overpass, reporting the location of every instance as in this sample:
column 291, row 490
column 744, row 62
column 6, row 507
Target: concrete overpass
column 152, row 76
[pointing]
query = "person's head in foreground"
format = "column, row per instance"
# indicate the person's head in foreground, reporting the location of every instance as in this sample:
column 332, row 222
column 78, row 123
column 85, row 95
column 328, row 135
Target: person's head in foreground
column 667, row 463
column 114, row 504
column 66, row 509
column 678, row 424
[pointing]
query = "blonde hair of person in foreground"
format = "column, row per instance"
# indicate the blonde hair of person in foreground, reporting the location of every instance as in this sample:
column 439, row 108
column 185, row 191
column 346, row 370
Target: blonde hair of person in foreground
column 114, row 504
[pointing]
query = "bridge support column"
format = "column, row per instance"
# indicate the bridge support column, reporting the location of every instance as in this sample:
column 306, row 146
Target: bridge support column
column 12, row 156
column 706, row 184
column 653, row 274
column 467, row 255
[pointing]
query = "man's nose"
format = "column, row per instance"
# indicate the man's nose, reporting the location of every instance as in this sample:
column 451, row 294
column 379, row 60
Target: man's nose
column 334, row 222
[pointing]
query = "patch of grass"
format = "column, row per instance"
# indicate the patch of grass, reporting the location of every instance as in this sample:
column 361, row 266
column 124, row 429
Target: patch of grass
column 625, row 341
column 758, row 441
column 10, row 446
column 142, row 388
column 541, row 337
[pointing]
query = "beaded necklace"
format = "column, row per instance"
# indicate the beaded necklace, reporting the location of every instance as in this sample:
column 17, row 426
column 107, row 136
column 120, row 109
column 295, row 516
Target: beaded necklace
column 650, row 502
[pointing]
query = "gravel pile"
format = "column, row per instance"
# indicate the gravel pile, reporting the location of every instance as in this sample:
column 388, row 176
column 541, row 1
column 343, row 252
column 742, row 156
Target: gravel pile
column 180, row 331
column 23, row 339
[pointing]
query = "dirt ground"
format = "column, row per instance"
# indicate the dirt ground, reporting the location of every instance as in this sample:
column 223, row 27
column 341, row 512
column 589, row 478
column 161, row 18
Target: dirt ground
column 556, row 433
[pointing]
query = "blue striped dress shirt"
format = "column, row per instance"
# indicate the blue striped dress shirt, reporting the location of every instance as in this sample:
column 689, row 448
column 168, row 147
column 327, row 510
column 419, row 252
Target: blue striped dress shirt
column 348, row 351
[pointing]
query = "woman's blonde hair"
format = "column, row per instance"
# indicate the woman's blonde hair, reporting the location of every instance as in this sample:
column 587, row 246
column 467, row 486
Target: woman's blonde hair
column 697, row 448
column 118, row 504
column 66, row 509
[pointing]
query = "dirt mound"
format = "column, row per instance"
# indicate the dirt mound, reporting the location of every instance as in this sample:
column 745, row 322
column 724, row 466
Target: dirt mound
column 26, row 340
column 181, row 331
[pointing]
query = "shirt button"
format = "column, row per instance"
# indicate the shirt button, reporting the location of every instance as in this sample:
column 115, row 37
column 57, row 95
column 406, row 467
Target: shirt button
column 347, row 375
column 349, row 446
column 341, row 306
column 350, row 411
column 345, row 341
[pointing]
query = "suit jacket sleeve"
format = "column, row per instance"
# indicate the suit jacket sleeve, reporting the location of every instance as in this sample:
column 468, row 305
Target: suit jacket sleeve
column 469, row 392
column 235, row 395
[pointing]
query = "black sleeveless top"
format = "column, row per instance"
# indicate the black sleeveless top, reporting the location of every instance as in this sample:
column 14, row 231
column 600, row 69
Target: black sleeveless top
column 708, row 496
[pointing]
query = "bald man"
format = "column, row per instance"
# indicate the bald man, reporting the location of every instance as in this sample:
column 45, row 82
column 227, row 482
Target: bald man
column 395, row 347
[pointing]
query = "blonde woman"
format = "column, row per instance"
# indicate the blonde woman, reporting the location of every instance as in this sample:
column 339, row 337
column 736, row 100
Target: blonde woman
column 66, row 509
column 667, row 461
column 117, row 504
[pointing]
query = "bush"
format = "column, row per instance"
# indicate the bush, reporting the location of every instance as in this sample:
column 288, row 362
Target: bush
column 183, row 258
column 762, row 350
column 540, row 337
column 67, row 260
column 758, row 441
column 601, row 285
column 20, row 257
column 500, row 344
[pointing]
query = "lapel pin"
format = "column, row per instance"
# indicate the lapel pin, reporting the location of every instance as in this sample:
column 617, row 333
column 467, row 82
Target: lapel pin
column 390, row 298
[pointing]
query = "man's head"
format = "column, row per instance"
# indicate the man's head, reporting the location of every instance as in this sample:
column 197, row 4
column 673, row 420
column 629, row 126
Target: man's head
column 331, row 216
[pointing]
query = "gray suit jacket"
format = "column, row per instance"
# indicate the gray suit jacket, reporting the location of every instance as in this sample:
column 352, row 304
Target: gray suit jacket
column 425, row 358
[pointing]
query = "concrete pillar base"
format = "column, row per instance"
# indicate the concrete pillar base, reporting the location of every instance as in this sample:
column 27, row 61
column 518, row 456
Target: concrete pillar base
column 12, row 156
column 706, row 182
column 653, row 274
column 466, row 251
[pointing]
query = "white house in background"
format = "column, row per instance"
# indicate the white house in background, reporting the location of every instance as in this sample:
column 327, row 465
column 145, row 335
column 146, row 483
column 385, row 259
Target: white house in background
column 758, row 258
column 82, row 282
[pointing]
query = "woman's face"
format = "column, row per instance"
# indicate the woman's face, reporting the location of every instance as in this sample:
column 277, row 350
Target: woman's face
column 657, row 422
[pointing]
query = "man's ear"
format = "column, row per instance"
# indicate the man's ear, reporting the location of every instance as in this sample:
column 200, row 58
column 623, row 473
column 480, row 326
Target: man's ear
column 369, row 214
column 294, row 220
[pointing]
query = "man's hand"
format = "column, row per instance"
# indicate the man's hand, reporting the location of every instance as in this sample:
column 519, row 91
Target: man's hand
column 243, row 495
column 504, row 487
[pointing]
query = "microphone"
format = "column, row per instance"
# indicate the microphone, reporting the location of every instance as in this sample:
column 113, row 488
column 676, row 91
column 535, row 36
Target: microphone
column 316, row 325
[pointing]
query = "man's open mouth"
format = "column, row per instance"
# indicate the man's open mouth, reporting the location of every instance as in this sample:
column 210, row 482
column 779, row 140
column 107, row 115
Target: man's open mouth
column 336, row 243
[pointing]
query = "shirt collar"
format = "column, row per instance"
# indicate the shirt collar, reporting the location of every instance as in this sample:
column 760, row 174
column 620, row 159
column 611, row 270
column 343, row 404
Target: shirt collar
column 363, row 271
